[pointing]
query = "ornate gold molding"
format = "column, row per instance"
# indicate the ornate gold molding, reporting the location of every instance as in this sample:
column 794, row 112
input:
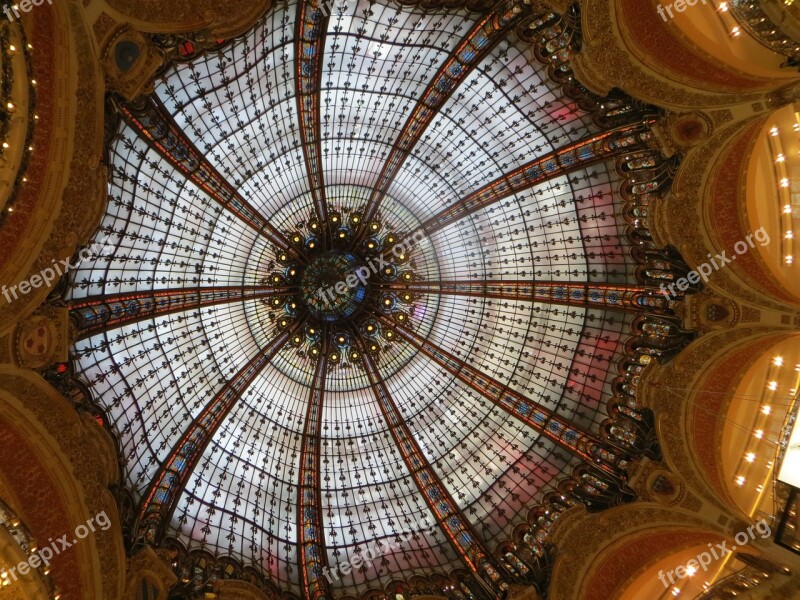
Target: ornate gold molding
column 676, row 391
column 73, row 199
column 148, row 567
column 71, row 453
column 596, row 538
column 688, row 218
column 607, row 60
column 130, row 61
column 225, row 21
column 229, row 589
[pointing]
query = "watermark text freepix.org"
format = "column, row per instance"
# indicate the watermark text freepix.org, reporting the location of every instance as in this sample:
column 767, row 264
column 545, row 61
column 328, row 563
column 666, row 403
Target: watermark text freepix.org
column 717, row 262
column 715, row 552
column 370, row 554
column 50, row 274
column 55, row 547
column 362, row 274
column 23, row 5
column 678, row 5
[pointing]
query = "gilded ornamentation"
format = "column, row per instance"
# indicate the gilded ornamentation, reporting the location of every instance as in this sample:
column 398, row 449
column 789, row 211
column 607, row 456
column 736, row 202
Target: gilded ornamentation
column 85, row 194
column 131, row 61
column 599, row 537
column 90, row 453
column 682, row 218
column 43, row 340
column 151, row 566
column 239, row 590
column 156, row 16
column 720, row 117
column 750, row 314
column 709, row 311
column 103, row 27
column 690, row 439
column 604, row 63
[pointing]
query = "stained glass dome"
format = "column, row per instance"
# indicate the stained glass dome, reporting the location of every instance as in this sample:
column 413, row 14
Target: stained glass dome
column 442, row 168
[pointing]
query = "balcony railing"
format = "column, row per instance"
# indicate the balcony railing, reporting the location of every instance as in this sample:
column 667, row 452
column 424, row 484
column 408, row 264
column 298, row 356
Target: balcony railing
column 752, row 18
column 17, row 113
column 734, row 584
column 27, row 545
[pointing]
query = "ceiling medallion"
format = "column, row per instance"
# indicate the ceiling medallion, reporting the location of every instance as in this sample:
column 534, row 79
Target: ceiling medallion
column 340, row 272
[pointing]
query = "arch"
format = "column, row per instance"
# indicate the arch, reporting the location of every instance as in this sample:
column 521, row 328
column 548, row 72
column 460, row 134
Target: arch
column 59, row 485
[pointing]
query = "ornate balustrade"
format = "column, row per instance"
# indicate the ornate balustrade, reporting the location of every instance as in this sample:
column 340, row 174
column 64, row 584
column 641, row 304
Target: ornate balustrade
column 20, row 535
column 17, row 113
column 763, row 25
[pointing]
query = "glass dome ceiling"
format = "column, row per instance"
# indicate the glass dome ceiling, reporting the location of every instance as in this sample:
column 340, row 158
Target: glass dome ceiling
column 264, row 422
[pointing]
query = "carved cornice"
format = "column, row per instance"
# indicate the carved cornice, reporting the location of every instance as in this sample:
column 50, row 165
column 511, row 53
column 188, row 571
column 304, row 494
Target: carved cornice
column 229, row 589
column 666, row 50
column 78, row 209
column 149, row 565
column 706, row 213
column 689, row 399
column 225, row 21
column 138, row 78
column 602, row 551
column 606, row 61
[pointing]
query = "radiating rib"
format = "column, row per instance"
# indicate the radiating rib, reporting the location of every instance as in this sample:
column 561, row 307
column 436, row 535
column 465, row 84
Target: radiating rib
column 311, row 540
column 169, row 482
column 475, row 46
column 605, row 296
column 585, row 445
column 312, row 25
column 103, row 313
column 452, row 523
column 159, row 129
column 579, row 155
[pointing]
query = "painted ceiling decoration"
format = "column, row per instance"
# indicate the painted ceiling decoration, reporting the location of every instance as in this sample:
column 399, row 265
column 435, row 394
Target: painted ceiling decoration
column 372, row 267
